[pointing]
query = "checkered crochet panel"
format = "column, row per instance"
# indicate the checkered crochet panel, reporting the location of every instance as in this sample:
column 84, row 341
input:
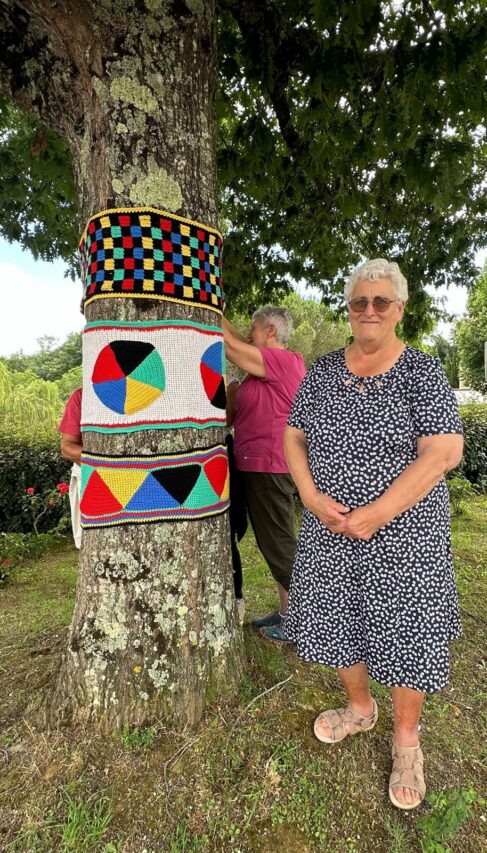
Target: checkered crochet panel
column 143, row 489
column 160, row 374
column 146, row 253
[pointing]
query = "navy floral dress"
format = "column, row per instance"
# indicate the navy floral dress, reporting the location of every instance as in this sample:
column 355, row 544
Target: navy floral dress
column 390, row 602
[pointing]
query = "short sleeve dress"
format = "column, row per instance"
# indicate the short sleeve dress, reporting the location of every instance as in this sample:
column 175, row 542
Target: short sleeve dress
column 390, row 602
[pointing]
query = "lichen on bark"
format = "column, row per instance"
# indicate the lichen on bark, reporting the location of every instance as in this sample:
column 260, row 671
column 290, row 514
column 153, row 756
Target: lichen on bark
column 155, row 630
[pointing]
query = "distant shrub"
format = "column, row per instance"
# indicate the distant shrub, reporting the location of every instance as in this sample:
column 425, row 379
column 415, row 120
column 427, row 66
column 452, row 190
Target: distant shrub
column 474, row 463
column 459, row 490
column 22, row 466
column 17, row 547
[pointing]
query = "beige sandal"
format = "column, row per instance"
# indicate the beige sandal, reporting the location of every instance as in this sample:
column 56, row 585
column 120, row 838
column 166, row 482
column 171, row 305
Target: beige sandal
column 407, row 772
column 343, row 722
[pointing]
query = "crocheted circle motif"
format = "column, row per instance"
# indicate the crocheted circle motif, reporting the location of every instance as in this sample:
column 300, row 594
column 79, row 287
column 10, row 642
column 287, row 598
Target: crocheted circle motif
column 212, row 369
column 128, row 376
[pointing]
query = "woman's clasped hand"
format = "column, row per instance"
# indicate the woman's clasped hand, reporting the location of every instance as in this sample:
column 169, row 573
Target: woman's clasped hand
column 360, row 523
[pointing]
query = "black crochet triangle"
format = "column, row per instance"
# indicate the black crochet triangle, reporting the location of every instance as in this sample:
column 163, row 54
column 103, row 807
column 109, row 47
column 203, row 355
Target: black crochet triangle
column 179, row 482
column 130, row 354
column 220, row 396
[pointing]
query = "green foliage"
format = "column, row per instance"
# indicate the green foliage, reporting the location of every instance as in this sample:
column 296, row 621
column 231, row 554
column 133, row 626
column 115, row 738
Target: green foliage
column 135, row 738
column 25, row 465
column 83, row 828
column 347, row 131
column 450, row 810
column 37, row 197
column 69, row 382
column 448, row 355
column 28, row 406
column 474, row 463
column 52, row 362
column 471, row 335
column 315, row 329
column 17, row 547
column 459, row 490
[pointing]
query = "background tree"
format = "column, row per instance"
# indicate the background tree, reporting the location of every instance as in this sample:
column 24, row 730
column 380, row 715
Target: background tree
column 447, row 352
column 131, row 86
column 347, row 130
column 51, row 362
column 471, row 336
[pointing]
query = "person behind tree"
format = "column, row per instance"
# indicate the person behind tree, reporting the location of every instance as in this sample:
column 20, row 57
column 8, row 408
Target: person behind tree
column 372, row 432
column 263, row 403
column 71, row 447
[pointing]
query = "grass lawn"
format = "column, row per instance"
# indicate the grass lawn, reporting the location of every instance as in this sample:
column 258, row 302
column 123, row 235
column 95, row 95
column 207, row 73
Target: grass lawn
column 252, row 777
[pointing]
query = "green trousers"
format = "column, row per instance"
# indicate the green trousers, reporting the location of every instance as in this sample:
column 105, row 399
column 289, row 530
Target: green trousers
column 270, row 504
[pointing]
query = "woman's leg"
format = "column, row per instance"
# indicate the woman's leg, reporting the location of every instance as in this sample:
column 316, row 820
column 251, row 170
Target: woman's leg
column 407, row 704
column 355, row 680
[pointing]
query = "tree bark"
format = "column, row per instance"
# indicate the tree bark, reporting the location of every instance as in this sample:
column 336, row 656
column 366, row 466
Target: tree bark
column 131, row 85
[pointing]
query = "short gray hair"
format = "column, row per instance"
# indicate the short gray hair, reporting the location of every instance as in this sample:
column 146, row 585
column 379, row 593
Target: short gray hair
column 378, row 268
column 271, row 315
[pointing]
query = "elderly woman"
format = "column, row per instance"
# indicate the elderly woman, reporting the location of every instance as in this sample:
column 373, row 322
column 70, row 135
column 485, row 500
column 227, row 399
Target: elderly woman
column 372, row 432
column 263, row 403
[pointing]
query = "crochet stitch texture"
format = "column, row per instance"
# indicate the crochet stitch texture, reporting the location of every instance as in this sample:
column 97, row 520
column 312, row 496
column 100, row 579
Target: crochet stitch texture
column 160, row 374
column 143, row 252
column 142, row 489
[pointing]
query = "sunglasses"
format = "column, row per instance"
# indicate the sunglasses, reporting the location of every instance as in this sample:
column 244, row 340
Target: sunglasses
column 379, row 303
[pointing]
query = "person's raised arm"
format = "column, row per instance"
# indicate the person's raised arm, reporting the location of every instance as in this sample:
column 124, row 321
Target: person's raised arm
column 327, row 510
column 242, row 354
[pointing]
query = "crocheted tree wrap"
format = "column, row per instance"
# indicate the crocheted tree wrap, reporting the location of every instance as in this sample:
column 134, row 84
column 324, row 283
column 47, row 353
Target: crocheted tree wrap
column 144, row 489
column 160, row 374
column 146, row 253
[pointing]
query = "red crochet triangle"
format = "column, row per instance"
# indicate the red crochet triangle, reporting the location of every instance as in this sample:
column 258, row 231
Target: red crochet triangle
column 107, row 367
column 211, row 380
column 97, row 498
column 216, row 471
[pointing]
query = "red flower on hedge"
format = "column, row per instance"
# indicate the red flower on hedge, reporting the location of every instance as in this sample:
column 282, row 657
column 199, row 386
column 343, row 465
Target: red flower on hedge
column 6, row 562
column 30, row 490
column 51, row 502
column 62, row 488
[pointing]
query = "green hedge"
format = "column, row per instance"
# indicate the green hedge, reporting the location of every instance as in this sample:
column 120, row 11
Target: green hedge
column 21, row 466
column 474, row 463
column 40, row 465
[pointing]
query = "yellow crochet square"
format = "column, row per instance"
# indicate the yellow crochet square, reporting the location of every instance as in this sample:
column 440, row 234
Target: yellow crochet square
column 148, row 285
column 145, row 221
column 188, row 291
column 212, row 278
column 185, row 230
column 107, row 285
column 214, row 299
column 212, row 240
column 147, row 242
column 108, row 242
column 148, row 263
column 185, row 250
column 187, row 271
column 105, row 221
column 109, row 264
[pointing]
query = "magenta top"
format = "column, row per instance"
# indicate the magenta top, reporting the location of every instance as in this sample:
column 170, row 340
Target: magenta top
column 263, row 406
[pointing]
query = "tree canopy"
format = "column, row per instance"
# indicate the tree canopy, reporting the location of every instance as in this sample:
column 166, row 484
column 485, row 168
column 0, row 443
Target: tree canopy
column 346, row 130
column 471, row 336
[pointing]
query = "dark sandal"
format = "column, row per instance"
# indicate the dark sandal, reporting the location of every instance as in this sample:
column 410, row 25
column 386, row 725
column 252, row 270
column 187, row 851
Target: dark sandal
column 275, row 635
column 407, row 772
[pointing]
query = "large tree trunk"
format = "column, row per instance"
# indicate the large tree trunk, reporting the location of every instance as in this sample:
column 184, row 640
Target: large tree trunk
column 132, row 87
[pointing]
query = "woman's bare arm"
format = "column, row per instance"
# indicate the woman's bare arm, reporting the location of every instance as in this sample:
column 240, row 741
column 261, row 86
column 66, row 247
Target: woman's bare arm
column 239, row 352
column 327, row 510
column 437, row 454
